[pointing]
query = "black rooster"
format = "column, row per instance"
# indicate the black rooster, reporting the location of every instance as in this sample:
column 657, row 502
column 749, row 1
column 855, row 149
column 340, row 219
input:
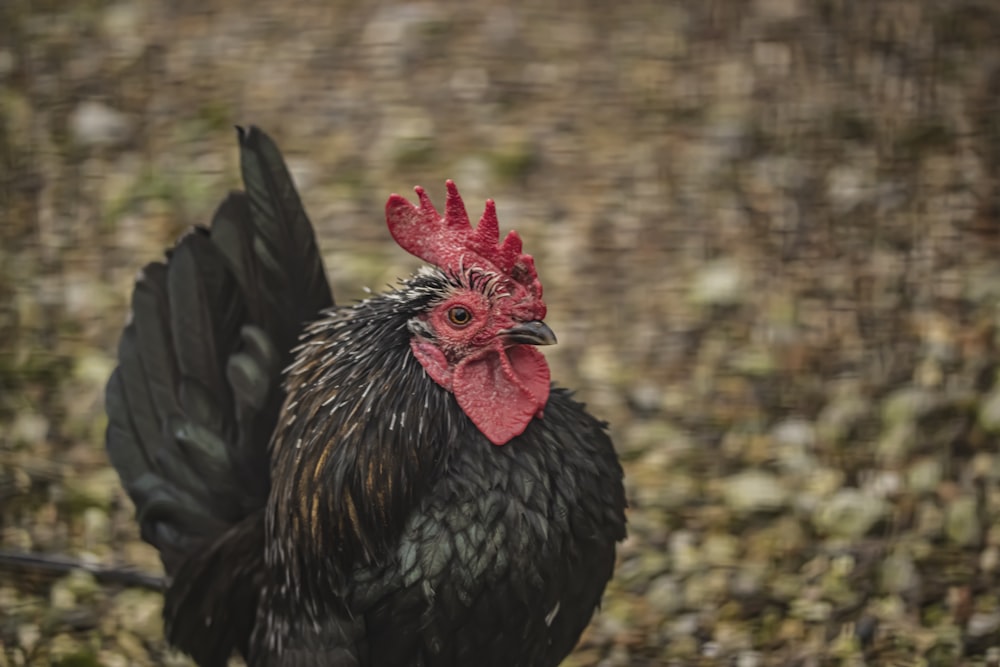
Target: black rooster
column 324, row 484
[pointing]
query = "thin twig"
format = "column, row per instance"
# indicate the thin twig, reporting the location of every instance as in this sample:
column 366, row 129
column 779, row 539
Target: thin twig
column 108, row 574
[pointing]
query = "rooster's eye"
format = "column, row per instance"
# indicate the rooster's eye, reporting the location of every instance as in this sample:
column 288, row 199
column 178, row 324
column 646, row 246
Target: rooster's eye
column 459, row 316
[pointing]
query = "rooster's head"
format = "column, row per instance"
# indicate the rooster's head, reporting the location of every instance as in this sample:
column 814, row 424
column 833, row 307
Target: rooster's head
column 478, row 335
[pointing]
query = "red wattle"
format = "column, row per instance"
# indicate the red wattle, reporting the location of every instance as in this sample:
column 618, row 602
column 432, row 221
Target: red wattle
column 502, row 390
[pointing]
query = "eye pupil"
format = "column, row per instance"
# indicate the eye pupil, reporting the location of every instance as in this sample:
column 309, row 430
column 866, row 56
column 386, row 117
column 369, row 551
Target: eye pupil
column 459, row 315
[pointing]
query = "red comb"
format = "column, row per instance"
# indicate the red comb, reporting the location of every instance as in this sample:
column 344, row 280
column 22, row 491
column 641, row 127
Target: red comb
column 445, row 241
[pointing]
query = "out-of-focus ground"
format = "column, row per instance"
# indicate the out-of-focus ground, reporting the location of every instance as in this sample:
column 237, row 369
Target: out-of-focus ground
column 769, row 233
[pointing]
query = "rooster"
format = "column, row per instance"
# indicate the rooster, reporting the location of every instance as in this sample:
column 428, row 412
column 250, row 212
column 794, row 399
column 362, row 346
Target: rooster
column 393, row 482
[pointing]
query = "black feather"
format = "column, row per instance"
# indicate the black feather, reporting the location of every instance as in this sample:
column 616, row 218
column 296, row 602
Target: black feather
column 296, row 291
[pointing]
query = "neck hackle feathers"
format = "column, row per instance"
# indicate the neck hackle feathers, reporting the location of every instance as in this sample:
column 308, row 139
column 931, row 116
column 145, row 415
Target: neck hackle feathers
column 450, row 242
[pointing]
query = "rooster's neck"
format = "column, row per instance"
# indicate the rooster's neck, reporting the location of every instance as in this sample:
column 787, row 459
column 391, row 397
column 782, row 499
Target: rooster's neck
column 356, row 446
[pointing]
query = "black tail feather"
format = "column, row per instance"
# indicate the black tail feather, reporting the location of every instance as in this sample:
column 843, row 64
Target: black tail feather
column 201, row 603
column 294, row 292
column 207, row 312
column 197, row 393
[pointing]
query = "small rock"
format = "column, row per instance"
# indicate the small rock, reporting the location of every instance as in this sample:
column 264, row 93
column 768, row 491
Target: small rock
column 95, row 489
column 896, row 442
column 882, row 483
column 930, row 520
column 96, row 527
column 721, row 550
column 61, row 598
column 983, row 623
column 711, row 650
column 989, row 412
column 647, row 397
column 749, row 659
column 754, row 491
column 839, row 419
column 847, row 187
column 665, row 595
column 93, row 367
column 755, row 359
column 68, row 651
column 123, row 25
column 908, row 404
column 139, row 612
column 112, row 659
column 924, row 475
column 81, row 584
column 989, row 560
column 28, row 635
column 811, row 610
column 794, row 432
column 656, row 435
column 29, row 428
column 18, row 538
column 819, row 484
column 794, row 441
column 748, row 581
column 849, row 513
column 899, row 573
column 133, row 647
column 684, row 626
column 719, row 283
column 961, row 521
column 684, row 552
column 82, row 297
column 96, row 124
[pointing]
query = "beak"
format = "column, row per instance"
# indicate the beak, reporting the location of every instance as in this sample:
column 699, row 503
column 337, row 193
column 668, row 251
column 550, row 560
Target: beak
column 530, row 333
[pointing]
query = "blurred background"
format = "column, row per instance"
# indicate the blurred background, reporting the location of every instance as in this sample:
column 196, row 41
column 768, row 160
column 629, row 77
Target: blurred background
column 769, row 233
